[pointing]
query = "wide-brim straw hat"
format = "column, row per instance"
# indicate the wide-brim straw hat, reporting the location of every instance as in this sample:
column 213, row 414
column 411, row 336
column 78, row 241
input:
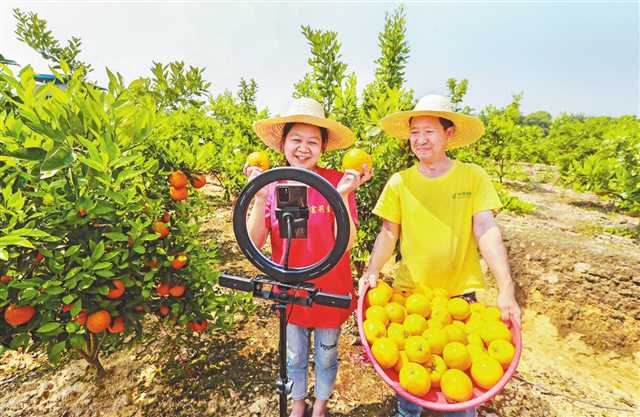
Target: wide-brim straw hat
column 468, row 128
column 308, row 111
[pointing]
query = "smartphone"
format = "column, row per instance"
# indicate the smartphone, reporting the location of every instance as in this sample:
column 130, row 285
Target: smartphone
column 292, row 199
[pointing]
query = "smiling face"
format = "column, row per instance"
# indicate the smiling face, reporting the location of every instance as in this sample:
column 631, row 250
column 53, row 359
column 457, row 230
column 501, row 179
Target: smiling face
column 303, row 145
column 429, row 138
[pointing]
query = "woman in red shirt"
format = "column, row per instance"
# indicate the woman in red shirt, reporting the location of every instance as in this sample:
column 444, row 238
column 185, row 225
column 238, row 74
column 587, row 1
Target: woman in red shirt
column 303, row 135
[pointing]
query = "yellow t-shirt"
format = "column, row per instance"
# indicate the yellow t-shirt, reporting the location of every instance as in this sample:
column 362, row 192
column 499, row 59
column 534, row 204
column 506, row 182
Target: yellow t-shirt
column 436, row 225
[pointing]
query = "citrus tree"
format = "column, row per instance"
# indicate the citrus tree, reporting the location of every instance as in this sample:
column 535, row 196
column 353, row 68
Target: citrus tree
column 98, row 219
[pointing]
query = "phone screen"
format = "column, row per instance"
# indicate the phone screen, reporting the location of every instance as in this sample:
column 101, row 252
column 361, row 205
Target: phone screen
column 293, row 199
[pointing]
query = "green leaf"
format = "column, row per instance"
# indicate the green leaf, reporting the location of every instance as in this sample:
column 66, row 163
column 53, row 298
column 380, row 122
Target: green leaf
column 139, row 249
column 54, row 290
column 68, row 299
column 117, row 236
column 30, row 154
column 105, row 274
column 15, row 241
column 48, row 327
column 77, row 341
column 98, row 251
column 58, row 159
column 102, row 265
column 56, row 350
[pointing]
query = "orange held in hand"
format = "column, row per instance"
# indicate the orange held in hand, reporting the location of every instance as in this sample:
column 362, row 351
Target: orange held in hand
column 258, row 159
column 356, row 159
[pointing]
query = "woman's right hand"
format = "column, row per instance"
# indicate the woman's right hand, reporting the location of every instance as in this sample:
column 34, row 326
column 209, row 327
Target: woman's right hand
column 370, row 277
column 251, row 172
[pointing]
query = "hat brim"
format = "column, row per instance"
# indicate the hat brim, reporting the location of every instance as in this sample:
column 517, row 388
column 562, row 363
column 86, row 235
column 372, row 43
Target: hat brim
column 468, row 128
column 270, row 130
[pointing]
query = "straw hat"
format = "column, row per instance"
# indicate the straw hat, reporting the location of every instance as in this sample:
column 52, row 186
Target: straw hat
column 303, row 110
column 468, row 128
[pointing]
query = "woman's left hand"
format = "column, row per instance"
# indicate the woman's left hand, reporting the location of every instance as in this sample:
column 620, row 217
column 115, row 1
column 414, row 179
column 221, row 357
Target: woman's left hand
column 352, row 179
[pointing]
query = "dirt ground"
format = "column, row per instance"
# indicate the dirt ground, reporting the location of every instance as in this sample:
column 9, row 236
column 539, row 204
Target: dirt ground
column 579, row 285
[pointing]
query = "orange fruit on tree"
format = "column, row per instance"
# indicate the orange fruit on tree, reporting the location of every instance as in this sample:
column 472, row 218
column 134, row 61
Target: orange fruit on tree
column 81, row 318
column 163, row 289
column 199, row 326
column 395, row 312
column 356, row 159
column 418, row 304
column 458, row 308
column 377, row 312
column 39, row 257
column 402, row 361
column 415, row 324
column 386, row 352
column 117, row 326
column 164, row 310
column 502, row 351
column 417, row 349
column 179, row 262
column 415, row 379
column 398, row 334
column 17, row 316
column 166, row 217
column 258, row 159
column 373, row 330
column 486, row 371
column 161, row 229
column 67, row 308
column 437, row 339
column 455, row 333
column 178, row 179
column 437, row 368
column 177, row 290
column 495, row 330
column 456, row 356
column 99, row 321
column 5, row 279
column 116, row 292
column 456, row 385
column 198, row 180
column 178, row 194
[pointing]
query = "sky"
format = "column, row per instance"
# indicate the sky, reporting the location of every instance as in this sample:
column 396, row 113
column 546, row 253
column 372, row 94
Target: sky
column 575, row 57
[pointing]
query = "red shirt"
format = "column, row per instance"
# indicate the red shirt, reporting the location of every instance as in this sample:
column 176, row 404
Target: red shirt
column 305, row 252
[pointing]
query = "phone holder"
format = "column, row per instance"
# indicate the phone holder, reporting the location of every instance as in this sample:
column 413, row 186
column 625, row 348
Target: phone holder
column 281, row 283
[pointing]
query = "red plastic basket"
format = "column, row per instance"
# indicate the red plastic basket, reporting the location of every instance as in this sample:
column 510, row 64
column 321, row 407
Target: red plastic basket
column 435, row 399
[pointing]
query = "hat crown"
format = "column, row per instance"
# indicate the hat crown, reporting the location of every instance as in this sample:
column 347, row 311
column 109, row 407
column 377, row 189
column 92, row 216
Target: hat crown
column 434, row 102
column 305, row 106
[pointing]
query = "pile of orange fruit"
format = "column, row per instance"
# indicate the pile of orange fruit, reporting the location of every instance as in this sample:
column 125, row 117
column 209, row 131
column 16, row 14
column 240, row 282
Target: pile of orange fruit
column 436, row 342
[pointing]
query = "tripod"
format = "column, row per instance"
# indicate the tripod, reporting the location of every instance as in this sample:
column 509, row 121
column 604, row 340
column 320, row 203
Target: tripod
column 280, row 282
